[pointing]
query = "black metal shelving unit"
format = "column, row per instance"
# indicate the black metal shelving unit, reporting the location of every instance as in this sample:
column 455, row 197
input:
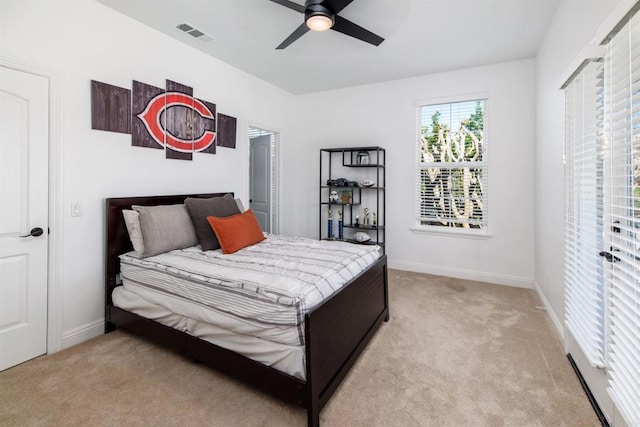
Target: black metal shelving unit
column 349, row 163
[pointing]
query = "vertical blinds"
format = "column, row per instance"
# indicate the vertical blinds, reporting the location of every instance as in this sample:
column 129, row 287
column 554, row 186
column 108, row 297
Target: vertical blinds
column 622, row 130
column 584, row 277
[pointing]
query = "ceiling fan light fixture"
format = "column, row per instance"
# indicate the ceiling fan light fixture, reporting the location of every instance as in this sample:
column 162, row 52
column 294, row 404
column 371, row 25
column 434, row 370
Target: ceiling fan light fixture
column 317, row 17
column 319, row 22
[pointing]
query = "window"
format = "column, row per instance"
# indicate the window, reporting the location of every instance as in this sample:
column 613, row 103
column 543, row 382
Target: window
column 451, row 166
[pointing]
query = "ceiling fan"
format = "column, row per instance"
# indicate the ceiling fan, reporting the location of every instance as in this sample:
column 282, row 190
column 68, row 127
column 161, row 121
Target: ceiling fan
column 321, row 15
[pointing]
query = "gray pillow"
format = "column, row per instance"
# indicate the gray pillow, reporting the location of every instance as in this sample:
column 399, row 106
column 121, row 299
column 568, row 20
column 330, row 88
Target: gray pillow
column 200, row 209
column 165, row 228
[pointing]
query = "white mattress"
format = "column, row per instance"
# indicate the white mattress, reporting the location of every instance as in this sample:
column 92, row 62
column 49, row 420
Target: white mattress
column 263, row 290
column 285, row 358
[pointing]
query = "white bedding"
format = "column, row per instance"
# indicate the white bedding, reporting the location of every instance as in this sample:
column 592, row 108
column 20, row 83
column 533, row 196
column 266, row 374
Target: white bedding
column 263, row 290
column 285, row 358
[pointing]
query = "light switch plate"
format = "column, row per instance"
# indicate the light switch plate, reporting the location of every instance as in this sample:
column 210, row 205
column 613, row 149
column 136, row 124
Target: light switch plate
column 76, row 209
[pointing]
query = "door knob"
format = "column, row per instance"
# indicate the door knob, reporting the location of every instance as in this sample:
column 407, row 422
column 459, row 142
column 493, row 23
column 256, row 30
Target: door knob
column 609, row 256
column 35, row 232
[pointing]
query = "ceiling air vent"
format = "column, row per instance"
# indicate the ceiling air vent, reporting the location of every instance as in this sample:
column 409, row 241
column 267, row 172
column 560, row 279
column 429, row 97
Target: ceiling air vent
column 195, row 33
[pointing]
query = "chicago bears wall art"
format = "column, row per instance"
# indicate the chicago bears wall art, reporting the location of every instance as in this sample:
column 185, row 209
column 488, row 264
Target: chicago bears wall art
column 169, row 119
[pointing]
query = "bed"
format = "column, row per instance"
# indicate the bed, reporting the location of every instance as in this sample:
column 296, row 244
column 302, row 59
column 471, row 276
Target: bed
column 336, row 330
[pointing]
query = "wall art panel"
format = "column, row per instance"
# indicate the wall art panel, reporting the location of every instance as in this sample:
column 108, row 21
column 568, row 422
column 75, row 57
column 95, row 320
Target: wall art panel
column 226, row 131
column 110, row 108
column 148, row 101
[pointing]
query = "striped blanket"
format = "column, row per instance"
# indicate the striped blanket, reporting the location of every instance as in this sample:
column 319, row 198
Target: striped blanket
column 266, row 286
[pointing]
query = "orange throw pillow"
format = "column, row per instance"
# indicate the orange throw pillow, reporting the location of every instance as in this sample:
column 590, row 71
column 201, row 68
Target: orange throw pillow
column 236, row 231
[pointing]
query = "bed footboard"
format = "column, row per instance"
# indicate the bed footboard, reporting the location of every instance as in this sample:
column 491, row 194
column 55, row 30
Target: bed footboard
column 338, row 331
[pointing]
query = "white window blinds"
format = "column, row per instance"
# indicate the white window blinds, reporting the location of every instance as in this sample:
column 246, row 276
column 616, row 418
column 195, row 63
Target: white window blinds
column 584, row 277
column 622, row 216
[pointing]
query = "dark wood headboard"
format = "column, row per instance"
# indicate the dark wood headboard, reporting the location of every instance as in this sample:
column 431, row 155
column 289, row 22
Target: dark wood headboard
column 118, row 237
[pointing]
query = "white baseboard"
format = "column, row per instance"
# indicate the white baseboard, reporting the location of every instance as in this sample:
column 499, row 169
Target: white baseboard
column 82, row 333
column 552, row 315
column 497, row 279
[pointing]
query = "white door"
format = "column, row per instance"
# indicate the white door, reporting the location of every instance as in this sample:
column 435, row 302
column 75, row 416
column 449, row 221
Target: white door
column 622, row 218
column 24, row 160
column 260, row 191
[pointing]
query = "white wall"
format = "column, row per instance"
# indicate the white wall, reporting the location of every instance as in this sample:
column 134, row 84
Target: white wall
column 574, row 27
column 385, row 114
column 83, row 40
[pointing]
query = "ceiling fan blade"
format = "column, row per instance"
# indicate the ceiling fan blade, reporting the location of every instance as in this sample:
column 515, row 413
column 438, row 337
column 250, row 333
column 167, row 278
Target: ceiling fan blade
column 290, row 5
column 347, row 27
column 299, row 32
column 336, row 6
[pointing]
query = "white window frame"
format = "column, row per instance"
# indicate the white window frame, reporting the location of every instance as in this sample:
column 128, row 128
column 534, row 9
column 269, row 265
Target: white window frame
column 478, row 233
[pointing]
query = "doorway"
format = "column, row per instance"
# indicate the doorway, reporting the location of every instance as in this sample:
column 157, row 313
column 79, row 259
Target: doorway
column 263, row 177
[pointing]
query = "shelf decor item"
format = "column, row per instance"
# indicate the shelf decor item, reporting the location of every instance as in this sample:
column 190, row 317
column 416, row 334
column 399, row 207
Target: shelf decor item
column 346, row 197
column 340, row 228
column 329, row 225
column 364, row 158
column 366, row 217
column 361, row 237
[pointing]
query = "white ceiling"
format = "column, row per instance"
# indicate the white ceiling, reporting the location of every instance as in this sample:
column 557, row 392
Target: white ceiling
column 421, row 37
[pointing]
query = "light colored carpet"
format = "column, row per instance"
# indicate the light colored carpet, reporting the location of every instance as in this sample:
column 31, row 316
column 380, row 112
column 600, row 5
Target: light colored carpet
column 455, row 353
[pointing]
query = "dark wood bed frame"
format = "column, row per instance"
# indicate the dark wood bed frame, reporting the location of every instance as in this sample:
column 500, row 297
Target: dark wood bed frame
column 337, row 331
